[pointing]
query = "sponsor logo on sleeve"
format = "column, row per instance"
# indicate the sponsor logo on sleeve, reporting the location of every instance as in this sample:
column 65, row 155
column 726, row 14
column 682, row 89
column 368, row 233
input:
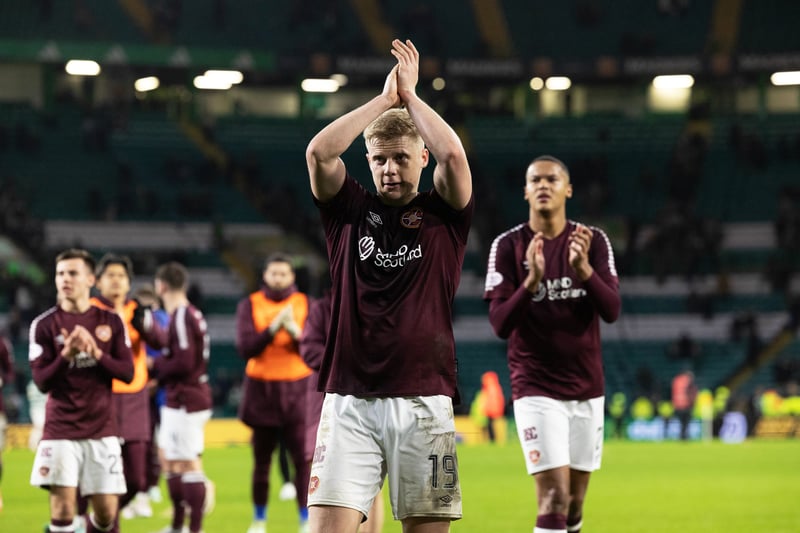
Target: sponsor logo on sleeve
column 493, row 279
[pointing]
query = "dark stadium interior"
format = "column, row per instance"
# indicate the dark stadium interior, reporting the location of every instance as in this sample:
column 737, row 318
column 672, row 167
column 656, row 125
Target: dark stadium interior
column 701, row 199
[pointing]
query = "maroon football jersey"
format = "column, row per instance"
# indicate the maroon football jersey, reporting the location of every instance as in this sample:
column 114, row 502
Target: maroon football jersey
column 182, row 368
column 79, row 405
column 6, row 367
column 554, row 348
column 395, row 271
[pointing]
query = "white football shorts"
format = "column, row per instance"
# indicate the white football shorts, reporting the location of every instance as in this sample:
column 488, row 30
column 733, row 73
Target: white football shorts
column 555, row 433
column 93, row 465
column 412, row 440
column 182, row 435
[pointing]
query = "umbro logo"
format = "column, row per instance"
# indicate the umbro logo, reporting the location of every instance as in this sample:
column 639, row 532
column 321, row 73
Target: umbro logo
column 374, row 219
column 446, row 498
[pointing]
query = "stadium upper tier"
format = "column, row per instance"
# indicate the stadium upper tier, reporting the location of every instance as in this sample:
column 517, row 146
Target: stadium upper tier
column 564, row 31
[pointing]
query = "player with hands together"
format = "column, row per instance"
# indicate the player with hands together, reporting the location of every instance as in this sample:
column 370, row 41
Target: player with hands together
column 549, row 281
column 389, row 352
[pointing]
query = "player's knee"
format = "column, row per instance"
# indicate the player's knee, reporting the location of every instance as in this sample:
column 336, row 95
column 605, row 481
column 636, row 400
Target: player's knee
column 576, row 506
column 261, row 472
column 102, row 518
column 554, row 500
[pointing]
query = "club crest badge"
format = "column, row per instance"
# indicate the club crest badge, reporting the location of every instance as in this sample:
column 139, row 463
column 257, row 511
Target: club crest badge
column 412, row 219
column 103, row 332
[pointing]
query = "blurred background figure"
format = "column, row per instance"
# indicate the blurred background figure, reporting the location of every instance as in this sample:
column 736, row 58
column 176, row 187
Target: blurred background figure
column 6, row 377
column 489, row 404
column 684, row 394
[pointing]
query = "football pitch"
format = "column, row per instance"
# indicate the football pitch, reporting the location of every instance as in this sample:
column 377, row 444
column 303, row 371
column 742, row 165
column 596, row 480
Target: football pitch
column 643, row 487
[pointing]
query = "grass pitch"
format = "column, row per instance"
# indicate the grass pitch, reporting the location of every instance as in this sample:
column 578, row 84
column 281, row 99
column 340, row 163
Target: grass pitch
column 643, row 487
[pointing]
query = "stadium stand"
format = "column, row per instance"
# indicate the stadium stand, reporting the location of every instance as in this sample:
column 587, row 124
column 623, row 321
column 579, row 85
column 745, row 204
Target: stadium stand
column 697, row 203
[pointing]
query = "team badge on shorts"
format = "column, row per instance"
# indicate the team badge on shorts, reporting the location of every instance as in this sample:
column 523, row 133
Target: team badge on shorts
column 103, row 332
column 313, row 484
column 534, row 456
column 43, row 471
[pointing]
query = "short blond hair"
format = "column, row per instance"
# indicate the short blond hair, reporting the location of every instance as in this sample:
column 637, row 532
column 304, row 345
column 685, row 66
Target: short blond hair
column 392, row 124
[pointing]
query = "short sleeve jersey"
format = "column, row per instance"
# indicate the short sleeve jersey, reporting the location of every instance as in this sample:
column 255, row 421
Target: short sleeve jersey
column 79, row 405
column 555, row 349
column 182, row 368
column 395, row 271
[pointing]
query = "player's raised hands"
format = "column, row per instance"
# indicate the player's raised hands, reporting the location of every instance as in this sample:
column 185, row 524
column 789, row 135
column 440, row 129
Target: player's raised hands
column 535, row 257
column 390, row 87
column 579, row 242
column 407, row 67
column 77, row 341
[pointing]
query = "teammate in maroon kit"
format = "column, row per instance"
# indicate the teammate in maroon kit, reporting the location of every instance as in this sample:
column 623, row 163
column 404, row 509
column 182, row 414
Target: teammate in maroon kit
column 548, row 283
column 312, row 348
column 76, row 350
column 181, row 370
column 6, row 377
column 131, row 400
column 389, row 368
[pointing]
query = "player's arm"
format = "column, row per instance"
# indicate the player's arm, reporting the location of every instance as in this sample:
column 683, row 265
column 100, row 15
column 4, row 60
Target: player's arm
column 452, row 178
column 505, row 313
column 153, row 333
column 6, row 362
column 312, row 341
column 602, row 287
column 508, row 296
column 118, row 362
column 325, row 167
column 183, row 353
column 249, row 342
column 48, row 367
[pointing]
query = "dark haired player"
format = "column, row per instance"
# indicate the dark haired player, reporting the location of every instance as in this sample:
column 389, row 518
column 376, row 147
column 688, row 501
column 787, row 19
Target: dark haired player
column 76, row 350
column 549, row 281
column 182, row 371
column 131, row 400
column 6, row 377
column 269, row 323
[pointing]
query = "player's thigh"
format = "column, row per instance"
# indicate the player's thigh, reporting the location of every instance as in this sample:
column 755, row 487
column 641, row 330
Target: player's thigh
column 196, row 432
column 181, row 434
column 421, row 458
column 102, row 469
column 543, row 430
column 586, row 434
column 328, row 518
column 348, row 466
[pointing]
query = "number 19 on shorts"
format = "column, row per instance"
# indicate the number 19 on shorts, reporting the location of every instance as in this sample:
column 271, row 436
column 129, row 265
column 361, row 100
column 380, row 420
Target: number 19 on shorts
column 447, row 463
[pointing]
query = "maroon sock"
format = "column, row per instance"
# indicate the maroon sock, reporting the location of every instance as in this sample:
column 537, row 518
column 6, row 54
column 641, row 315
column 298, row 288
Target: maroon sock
column 93, row 527
column 175, row 486
column 83, row 503
column 556, row 521
column 61, row 526
column 194, row 492
column 574, row 525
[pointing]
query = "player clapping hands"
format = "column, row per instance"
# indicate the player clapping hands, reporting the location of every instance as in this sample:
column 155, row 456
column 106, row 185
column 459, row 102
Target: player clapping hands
column 285, row 319
column 79, row 340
